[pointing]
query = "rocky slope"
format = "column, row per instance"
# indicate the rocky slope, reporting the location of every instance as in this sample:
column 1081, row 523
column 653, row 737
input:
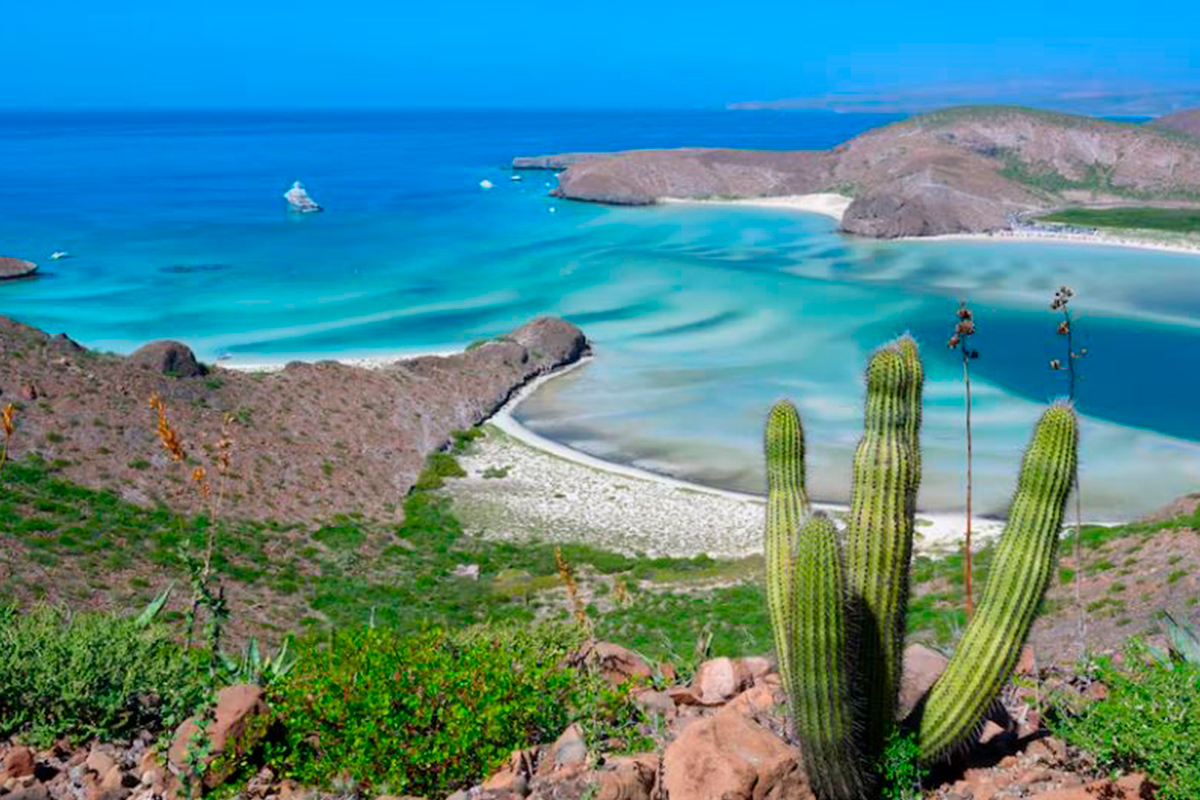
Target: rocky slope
column 964, row 170
column 1183, row 121
column 309, row 441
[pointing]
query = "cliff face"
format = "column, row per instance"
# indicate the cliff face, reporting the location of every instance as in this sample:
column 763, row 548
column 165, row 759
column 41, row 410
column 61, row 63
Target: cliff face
column 310, row 441
column 960, row 170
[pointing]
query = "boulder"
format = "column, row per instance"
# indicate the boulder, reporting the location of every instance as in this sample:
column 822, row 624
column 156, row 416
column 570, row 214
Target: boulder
column 240, row 721
column 616, row 663
column 168, row 358
column 730, row 756
column 19, row 762
column 720, row 679
column 627, row 778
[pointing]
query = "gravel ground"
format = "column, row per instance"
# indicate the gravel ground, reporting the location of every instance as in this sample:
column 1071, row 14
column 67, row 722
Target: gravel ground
column 544, row 496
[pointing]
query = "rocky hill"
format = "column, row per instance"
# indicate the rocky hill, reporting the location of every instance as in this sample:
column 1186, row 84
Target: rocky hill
column 963, row 170
column 308, row 442
column 1183, row 121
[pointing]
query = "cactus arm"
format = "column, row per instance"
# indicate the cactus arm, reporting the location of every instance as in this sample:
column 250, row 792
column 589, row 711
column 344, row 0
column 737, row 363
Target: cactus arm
column 880, row 536
column 1020, row 574
column 821, row 698
column 787, row 507
column 912, row 426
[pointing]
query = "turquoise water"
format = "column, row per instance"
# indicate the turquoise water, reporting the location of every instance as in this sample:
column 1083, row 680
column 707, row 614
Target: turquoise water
column 701, row 316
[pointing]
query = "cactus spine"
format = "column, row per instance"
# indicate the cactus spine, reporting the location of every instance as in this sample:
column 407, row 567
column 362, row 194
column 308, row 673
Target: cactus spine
column 1020, row 574
column 822, row 692
column 787, row 508
column 838, row 608
column 880, row 533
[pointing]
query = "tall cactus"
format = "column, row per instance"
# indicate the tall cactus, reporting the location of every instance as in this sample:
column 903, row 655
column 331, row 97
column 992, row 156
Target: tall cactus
column 787, row 508
column 880, row 534
column 823, row 691
column 1020, row 574
column 838, row 608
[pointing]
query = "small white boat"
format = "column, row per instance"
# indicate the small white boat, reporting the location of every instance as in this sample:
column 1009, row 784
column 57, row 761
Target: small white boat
column 299, row 200
column 553, row 209
column 486, row 184
column 57, row 254
column 516, row 178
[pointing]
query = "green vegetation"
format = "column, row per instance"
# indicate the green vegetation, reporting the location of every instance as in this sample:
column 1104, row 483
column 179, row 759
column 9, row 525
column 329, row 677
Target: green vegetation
column 838, row 608
column 90, row 675
column 1175, row 220
column 1149, row 721
column 434, row 712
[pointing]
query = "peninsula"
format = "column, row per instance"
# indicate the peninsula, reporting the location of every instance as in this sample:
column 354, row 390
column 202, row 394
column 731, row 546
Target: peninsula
column 974, row 169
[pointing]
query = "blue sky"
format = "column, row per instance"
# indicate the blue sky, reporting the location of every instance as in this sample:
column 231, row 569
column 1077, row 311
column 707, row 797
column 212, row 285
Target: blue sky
column 534, row 53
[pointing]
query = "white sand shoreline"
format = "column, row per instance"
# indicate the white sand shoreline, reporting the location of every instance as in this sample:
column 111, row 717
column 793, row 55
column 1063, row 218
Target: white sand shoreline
column 937, row 531
column 834, row 206
column 825, row 203
column 1097, row 239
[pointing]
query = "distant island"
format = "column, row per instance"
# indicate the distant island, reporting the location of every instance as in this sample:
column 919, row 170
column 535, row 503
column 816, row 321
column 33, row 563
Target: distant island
column 972, row 169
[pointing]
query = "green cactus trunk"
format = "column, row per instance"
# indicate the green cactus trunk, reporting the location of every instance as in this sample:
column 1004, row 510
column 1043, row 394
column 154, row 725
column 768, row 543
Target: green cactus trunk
column 1020, row 574
column 787, row 508
column 880, row 534
column 822, row 695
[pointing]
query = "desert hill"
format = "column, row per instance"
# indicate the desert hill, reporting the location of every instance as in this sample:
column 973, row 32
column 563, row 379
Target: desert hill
column 962, row 170
column 308, row 442
column 1183, row 121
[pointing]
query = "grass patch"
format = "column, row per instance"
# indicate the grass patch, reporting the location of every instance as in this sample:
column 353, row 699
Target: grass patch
column 1174, row 220
column 1149, row 721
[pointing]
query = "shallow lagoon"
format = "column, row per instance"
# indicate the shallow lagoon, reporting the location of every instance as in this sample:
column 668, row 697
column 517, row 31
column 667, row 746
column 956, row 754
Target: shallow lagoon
column 702, row 316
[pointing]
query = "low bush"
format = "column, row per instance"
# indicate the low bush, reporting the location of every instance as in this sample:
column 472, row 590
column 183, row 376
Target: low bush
column 1149, row 722
column 90, row 675
column 432, row 712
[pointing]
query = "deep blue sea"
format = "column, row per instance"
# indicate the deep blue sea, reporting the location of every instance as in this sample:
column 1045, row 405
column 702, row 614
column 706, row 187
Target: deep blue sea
column 701, row 316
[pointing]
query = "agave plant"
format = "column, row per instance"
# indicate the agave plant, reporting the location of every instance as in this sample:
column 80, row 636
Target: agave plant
column 837, row 599
column 257, row 667
column 1183, row 643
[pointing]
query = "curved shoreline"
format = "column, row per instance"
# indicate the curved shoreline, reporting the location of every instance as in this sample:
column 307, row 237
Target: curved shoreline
column 834, row 206
column 936, row 531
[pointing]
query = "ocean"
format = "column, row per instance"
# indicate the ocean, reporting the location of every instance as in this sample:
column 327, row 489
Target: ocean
column 701, row 315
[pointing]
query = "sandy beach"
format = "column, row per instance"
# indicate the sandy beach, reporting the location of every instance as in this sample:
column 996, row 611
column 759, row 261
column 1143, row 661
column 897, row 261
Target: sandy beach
column 1168, row 243
column 825, row 203
column 835, row 205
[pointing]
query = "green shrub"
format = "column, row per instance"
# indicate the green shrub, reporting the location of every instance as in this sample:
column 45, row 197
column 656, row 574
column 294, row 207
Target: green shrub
column 432, row 712
column 438, row 467
column 1149, row 721
column 90, row 675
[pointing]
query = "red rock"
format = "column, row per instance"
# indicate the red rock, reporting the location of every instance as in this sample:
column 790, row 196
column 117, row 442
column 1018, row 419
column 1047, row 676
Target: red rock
column 19, row 762
column 1096, row 691
column 1027, row 663
column 627, row 778
column 658, row 702
column 730, row 756
column 568, row 752
column 922, row 667
column 514, row 775
column 719, row 679
column 100, row 762
column 240, row 721
column 617, row 664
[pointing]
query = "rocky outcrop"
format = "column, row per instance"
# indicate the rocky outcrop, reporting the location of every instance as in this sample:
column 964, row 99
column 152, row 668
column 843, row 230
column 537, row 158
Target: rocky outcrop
column 963, row 170
column 1183, row 121
column 13, row 268
column 168, row 358
column 309, row 441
